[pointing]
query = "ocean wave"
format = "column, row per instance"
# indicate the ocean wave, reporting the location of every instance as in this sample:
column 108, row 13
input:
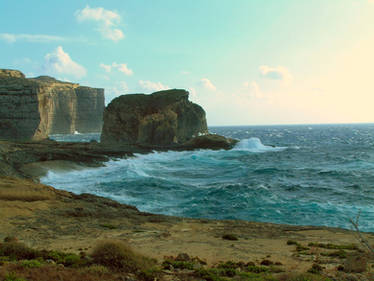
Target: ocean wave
column 255, row 145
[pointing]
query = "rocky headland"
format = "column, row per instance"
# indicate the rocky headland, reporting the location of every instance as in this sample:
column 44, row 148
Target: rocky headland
column 33, row 108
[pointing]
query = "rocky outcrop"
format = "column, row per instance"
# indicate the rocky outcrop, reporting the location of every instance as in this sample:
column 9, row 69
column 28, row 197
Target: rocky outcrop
column 35, row 108
column 162, row 118
column 210, row 141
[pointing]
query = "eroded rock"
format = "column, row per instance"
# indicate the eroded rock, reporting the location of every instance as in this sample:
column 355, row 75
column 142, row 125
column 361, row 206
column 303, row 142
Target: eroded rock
column 162, row 118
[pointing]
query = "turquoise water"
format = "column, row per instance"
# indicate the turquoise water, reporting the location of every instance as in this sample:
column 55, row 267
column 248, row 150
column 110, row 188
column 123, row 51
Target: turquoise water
column 303, row 175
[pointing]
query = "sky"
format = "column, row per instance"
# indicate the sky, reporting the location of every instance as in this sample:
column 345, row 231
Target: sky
column 247, row 62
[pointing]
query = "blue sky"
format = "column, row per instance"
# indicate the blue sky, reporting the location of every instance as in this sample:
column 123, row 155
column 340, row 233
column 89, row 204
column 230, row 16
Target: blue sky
column 247, row 62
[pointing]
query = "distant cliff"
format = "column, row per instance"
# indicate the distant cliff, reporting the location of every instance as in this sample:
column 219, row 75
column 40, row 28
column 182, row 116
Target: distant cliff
column 162, row 118
column 37, row 107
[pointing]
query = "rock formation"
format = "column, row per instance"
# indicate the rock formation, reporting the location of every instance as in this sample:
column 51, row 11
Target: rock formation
column 35, row 108
column 162, row 118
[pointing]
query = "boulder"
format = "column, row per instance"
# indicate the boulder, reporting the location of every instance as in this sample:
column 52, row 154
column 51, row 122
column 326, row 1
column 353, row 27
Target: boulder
column 163, row 118
column 32, row 109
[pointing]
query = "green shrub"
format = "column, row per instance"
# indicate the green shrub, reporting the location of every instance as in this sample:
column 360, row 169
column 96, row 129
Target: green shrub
column 170, row 264
column 315, row 269
column 17, row 251
column 209, row 274
column 31, row 263
column 118, row 255
column 257, row 269
column 4, row 260
column 150, row 274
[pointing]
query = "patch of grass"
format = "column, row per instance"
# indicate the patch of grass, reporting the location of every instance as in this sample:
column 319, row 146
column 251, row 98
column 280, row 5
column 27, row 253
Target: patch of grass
column 31, row 263
column 67, row 259
column 4, row 260
column 96, row 269
column 301, row 248
column 13, row 277
column 119, row 256
column 315, row 269
column 231, row 237
column 209, row 274
column 292, row 242
column 341, row 254
column 150, row 274
column 108, row 226
column 334, row 246
column 171, row 264
column 257, row 269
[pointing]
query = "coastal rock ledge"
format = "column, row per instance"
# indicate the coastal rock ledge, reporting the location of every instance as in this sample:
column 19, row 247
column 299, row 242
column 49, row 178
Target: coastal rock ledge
column 161, row 119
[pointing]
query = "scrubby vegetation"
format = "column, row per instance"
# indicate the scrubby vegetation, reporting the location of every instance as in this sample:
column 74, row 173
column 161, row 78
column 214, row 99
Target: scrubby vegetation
column 115, row 260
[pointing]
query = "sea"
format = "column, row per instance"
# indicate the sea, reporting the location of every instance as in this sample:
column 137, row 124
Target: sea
column 321, row 175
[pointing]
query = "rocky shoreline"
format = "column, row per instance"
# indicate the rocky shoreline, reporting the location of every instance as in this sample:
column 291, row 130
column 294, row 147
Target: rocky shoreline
column 44, row 217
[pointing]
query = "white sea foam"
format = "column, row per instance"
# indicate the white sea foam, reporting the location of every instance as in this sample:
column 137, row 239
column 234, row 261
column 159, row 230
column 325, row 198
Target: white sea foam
column 255, row 145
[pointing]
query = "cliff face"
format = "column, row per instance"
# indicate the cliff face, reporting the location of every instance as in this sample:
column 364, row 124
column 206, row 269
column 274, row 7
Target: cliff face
column 35, row 108
column 162, row 118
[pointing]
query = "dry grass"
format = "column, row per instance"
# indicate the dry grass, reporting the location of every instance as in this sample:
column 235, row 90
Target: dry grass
column 24, row 190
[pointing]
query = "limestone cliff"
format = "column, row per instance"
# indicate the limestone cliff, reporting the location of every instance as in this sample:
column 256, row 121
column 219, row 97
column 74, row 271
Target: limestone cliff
column 35, row 108
column 162, row 118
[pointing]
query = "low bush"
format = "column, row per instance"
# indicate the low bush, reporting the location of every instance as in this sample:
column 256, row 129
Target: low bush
column 315, row 269
column 171, row 264
column 31, row 263
column 334, row 246
column 119, row 256
column 231, row 237
column 17, row 251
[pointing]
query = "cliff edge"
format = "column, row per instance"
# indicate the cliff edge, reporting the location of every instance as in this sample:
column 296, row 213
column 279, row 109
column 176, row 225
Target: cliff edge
column 32, row 109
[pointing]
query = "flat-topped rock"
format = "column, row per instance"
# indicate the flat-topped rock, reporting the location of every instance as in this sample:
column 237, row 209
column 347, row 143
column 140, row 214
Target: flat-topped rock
column 162, row 118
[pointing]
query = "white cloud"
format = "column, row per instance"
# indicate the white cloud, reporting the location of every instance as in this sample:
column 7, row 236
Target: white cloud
column 254, row 89
column 59, row 62
column 207, row 84
column 35, row 38
column 276, row 73
column 153, row 86
column 120, row 89
column 107, row 21
column 122, row 67
column 107, row 68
